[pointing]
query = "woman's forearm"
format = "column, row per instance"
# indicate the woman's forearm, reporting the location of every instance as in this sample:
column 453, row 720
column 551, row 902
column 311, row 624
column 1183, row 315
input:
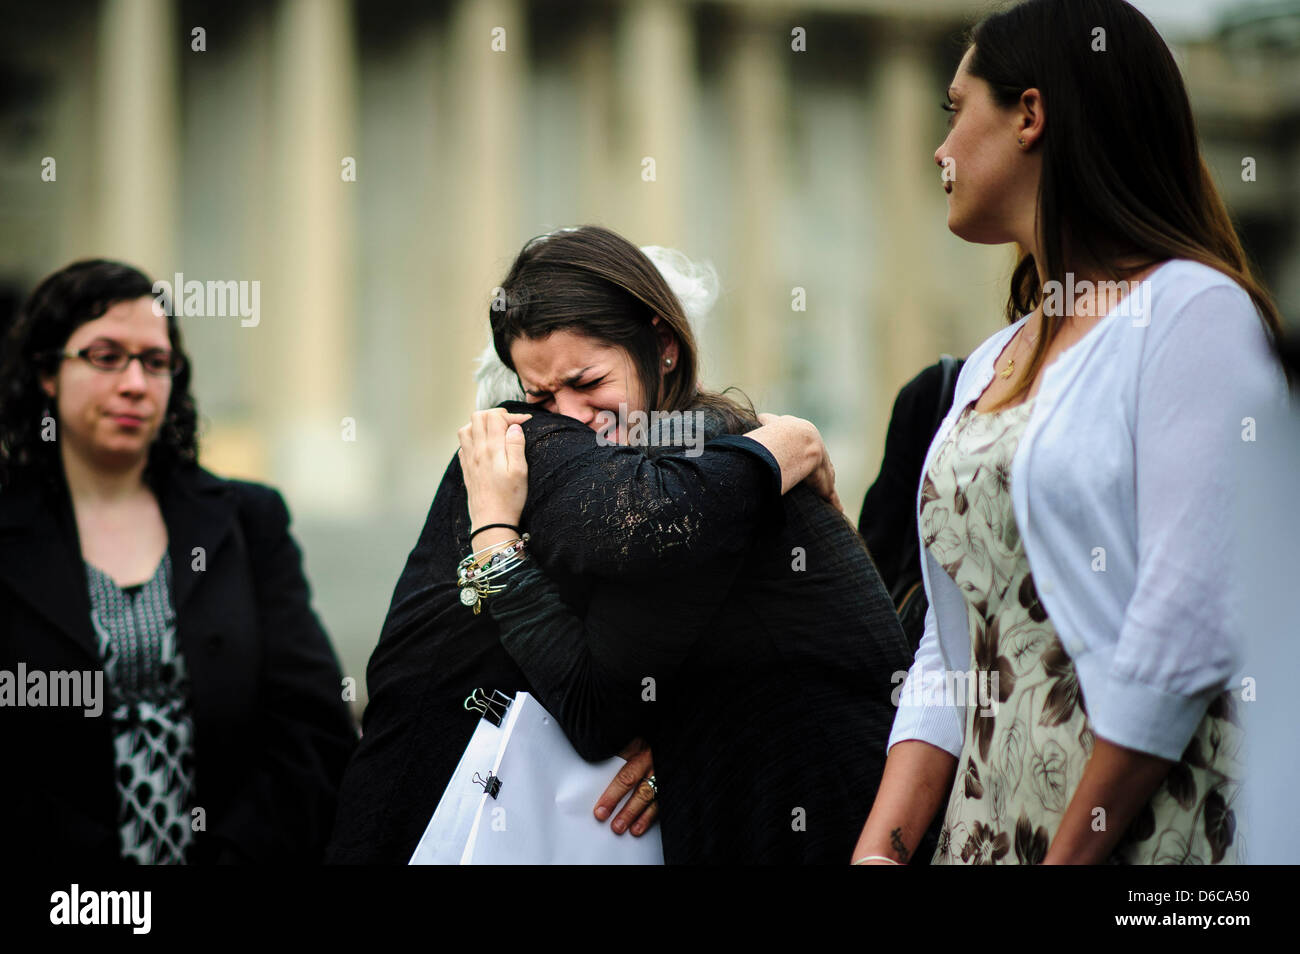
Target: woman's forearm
column 916, row 781
column 1116, row 783
column 595, row 706
column 796, row 445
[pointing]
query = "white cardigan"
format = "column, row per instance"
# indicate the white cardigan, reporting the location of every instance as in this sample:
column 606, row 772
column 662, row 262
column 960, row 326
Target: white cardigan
column 1129, row 448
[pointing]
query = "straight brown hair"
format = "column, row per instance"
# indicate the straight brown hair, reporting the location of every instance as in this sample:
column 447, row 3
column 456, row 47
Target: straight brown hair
column 1141, row 193
column 593, row 281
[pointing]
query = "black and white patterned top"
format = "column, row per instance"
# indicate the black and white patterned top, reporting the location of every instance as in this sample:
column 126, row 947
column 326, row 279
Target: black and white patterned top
column 153, row 730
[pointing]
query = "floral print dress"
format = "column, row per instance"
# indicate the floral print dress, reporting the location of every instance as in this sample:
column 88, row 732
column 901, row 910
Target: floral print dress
column 1023, row 757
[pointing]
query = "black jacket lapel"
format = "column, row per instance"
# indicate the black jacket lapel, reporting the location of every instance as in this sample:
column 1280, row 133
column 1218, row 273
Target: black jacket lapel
column 199, row 510
column 40, row 553
column 40, row 560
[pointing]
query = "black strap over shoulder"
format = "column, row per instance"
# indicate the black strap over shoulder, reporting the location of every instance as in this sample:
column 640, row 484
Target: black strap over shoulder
column 949, row 367
column 910, row 596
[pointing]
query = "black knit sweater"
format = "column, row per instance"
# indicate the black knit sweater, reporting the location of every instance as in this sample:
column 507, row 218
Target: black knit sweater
column 761, row 676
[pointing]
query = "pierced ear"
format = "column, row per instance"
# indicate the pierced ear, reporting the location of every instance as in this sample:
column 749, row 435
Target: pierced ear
column 670, row 361
column 668, row 348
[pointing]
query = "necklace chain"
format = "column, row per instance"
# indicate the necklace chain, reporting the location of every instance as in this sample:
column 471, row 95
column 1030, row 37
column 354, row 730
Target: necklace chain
column 1011, row 364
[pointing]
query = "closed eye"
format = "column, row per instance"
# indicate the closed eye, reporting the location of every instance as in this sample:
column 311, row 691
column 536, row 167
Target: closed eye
column 546, row 395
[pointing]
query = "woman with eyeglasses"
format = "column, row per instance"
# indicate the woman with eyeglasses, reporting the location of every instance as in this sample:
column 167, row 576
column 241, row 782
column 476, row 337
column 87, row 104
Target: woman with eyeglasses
column 175, row 699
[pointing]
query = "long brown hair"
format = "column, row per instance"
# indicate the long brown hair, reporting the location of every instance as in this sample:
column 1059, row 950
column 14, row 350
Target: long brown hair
column 1141, row 192
column 595, row 282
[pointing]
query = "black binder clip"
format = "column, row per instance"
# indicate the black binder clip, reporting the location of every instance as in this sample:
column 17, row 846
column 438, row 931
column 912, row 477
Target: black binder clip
column 491, row 784
column 491, row 707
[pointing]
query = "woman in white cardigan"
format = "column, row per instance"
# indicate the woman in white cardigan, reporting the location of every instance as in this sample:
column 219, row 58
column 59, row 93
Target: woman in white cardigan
column 1074, row 685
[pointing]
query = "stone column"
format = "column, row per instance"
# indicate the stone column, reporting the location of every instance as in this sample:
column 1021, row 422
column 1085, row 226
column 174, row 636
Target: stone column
column 479, row 232
column 758, row 290
column 309, row 302
column 655, row 72
column 136, row 202
column 904, row 89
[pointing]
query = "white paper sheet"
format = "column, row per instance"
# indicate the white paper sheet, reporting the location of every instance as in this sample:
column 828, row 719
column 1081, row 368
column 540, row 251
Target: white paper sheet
column 542, row 814
column 447, row 833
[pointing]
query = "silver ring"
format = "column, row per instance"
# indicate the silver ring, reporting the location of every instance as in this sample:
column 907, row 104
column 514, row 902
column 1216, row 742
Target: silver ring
column 654, row 786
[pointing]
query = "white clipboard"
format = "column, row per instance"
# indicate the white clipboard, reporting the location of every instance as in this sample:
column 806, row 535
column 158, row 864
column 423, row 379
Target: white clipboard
column 541, row 812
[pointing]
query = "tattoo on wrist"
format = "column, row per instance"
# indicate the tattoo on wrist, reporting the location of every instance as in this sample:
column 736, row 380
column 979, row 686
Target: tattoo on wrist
column 896, row 842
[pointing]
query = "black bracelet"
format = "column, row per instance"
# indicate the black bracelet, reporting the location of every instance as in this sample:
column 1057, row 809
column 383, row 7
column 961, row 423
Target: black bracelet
column 493, row 526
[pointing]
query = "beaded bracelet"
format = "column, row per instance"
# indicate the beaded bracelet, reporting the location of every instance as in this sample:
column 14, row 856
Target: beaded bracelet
column 474, row 572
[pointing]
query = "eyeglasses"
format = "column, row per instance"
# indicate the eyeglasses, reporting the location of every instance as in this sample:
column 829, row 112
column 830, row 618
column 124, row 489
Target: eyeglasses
column 158, row 362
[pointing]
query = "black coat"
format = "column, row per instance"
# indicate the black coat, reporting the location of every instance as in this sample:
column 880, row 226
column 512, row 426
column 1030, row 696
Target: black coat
column 772, row 672
column 761, row 676
column 888, row 519
column 272, row 733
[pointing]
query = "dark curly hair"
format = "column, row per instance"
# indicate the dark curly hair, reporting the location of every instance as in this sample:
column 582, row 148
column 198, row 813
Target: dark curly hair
column 72, row 296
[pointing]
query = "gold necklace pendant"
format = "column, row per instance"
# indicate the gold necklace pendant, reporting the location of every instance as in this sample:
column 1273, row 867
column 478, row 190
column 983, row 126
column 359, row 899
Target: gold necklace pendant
column 1011, row 364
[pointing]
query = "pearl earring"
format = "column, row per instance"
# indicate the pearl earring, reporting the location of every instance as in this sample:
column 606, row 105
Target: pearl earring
column 668, row 362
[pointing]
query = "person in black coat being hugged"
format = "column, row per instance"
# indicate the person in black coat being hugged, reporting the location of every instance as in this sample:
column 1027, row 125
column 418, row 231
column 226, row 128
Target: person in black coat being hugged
column 762, row 677
column 167, row 694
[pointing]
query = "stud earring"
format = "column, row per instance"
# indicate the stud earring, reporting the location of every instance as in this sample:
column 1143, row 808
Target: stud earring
column 1022, row 142
column 668, row 362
